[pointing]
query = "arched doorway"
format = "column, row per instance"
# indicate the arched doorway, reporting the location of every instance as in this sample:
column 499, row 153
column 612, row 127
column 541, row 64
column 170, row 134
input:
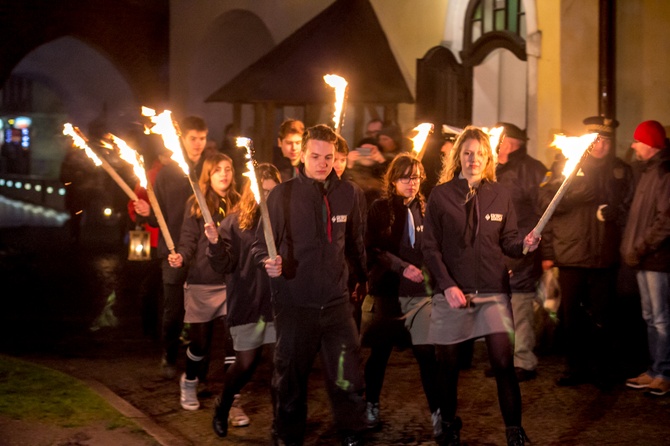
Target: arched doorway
column 482, row 74
column 69, row 80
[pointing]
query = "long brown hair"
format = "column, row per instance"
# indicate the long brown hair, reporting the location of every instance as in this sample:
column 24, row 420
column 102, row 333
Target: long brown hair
column 214, row 200
column 247, row 206
column 452, row 166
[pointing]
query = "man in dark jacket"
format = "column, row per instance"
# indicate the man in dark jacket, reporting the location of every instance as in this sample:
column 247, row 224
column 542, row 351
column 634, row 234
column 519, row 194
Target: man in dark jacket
column 582, row 240
column 522, row 175
column 646, row 248
column 316, row 224
column 286, row 155
column 172, row 189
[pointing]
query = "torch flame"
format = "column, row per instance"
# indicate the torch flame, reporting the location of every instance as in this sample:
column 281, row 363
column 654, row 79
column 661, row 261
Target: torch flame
column 423, row 130
column 251, row 170
column 164, row 126
column 494, row 139
column 573, row 147
column 79, row 141
column 340, row 86
column 129, row 155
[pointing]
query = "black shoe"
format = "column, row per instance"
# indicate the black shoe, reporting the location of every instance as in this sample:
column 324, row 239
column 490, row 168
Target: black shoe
column 352, row 440
column 516, row 436
column 524, row 375
column 571, row 379
column 220, row 419
column 451, row 433
column 220, row 425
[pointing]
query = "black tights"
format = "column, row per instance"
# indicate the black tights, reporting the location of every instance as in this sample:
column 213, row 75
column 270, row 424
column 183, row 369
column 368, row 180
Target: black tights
column 501, row 355
column 237, row 375
column 200, row 335
column 375, row 369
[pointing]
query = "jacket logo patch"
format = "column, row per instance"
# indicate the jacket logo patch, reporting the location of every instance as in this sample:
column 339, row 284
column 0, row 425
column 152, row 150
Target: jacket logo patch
column 339, row 218
column 494, row 217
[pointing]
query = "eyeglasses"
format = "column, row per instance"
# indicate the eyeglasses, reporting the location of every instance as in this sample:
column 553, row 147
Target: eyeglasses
column 407, row 180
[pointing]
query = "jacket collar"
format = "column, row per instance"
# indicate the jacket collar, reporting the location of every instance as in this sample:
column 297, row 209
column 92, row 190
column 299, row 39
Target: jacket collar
column 331, row 180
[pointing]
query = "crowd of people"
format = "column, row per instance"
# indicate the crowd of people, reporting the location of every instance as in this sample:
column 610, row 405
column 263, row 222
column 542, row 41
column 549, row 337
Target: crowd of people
column 371, row 248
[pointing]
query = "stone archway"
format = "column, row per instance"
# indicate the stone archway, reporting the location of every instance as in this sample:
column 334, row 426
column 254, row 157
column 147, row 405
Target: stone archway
column 70, row 81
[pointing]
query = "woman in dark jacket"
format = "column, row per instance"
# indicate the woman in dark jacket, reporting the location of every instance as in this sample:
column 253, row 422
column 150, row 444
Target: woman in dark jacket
column 204, row 290
column 470, row 224
column 249, row 315
column 397, row 311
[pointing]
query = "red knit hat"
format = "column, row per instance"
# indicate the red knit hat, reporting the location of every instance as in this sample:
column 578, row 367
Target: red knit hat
column 651, row 133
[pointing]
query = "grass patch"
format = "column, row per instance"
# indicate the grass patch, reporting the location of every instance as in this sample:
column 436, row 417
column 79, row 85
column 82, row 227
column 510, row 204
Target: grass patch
column 32, row 392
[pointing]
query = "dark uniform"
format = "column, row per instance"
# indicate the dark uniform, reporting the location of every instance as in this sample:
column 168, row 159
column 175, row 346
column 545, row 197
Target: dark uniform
column 316, row 227
column 582, row 239
column 172, row 190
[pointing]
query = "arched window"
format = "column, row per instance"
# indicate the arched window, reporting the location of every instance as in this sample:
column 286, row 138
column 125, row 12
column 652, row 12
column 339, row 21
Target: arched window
column 497, row 15
column 491, row 24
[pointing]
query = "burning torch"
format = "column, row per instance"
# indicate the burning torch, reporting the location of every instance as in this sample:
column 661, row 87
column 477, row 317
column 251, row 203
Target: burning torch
column 419, row 140
column 136, row 160
column 577, row 149
column 247, row 143
column 79, row 140
column 165, row 126
column 341, row 86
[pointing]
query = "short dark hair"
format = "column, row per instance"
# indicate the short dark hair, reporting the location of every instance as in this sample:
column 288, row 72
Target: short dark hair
column 320, row 132
column 291, row 126
column 193, row 123
column 342, row 146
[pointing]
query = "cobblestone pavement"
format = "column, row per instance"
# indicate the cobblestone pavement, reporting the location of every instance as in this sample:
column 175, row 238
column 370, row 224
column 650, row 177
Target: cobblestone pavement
column 65, row 287
column 552, row 416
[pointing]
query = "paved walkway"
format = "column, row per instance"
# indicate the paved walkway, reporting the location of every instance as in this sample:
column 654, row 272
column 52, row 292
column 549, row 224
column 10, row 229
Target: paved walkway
column 63, row 288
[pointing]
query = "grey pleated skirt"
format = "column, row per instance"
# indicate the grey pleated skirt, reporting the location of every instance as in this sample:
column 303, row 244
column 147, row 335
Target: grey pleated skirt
column 487, row 314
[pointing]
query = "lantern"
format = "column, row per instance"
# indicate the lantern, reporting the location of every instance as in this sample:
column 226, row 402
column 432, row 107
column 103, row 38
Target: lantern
column 139, row 245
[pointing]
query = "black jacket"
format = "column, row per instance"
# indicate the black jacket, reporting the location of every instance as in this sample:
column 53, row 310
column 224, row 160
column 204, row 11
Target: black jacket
column 574, row 236
column 193, row 245
column 283, row 164
column 314, row 239
column 172, row 189
column 646, row 239
column 389, row 250
column 522, row 176
column 478, row 267
column 247, row 283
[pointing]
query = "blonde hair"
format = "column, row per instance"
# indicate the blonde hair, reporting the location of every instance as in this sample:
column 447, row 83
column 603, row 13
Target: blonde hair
column 247, row 207
column 452, row 165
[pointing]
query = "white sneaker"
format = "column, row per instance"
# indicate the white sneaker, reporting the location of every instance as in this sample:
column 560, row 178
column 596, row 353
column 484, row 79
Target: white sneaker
column 189, row 393
column 236, row 416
